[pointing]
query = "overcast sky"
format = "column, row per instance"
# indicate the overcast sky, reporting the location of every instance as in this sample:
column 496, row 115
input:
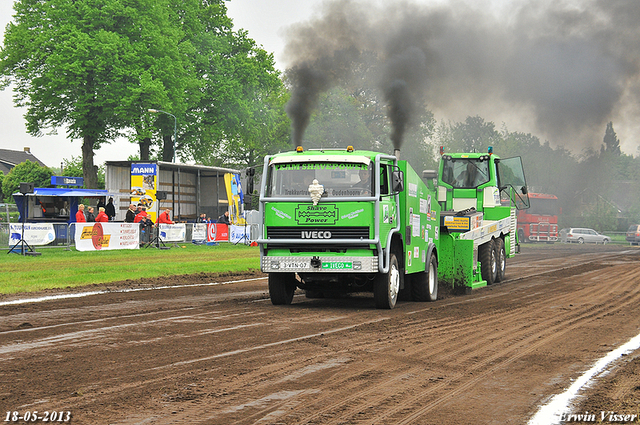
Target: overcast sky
column 264, row 20
column 546, row 90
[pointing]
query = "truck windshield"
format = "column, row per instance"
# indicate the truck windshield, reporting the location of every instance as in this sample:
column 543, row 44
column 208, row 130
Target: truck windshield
column 337, row 179
column 465, row 172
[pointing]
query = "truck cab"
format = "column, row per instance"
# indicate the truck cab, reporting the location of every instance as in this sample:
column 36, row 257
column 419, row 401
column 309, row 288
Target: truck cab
column 341, row 220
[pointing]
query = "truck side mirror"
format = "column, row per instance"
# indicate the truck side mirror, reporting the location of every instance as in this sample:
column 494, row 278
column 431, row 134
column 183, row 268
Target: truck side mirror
column 397, row 180
column 429, row 174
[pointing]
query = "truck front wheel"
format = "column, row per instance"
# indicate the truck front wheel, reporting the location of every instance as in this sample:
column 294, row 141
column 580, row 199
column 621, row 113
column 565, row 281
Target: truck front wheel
column 387, row 285
column 424, row 285
column 488, row 262
column 281, row 288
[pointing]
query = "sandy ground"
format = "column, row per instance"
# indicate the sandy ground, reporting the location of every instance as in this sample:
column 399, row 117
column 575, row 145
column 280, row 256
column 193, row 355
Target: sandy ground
column 220, row 353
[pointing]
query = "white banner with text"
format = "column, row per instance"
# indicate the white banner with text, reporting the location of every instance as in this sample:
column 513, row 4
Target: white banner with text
column 101, row 236
column 34, row 233
column 173, row 232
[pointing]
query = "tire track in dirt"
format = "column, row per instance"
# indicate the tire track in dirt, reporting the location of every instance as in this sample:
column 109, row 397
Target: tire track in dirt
column 497, row 339
column 540, row 335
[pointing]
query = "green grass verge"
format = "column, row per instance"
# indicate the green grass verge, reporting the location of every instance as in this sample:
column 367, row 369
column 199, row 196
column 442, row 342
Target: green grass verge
column 57, row 268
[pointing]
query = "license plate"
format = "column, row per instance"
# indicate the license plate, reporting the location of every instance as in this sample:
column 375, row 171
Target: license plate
column 337, row 265
column 294, row 264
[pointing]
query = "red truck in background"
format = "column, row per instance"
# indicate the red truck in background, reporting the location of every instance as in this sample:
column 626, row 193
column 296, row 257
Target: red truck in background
column 539, row 222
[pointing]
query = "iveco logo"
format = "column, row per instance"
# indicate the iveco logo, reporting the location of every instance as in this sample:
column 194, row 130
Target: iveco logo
column 316, row 235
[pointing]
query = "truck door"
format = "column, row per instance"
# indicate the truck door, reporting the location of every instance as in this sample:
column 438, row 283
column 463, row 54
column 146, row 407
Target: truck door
column 512, row 182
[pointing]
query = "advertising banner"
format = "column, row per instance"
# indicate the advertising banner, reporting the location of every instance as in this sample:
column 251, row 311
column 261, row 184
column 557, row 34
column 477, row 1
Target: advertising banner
column 217, row 232
column 173, row 232
column 144, row 180
column 106, row 236
column 199, row 233
column 239, row 234
column 34, row 233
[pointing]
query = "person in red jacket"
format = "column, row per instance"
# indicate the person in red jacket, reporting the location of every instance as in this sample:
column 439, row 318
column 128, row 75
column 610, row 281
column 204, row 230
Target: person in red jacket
column 80, row 218
column 164, row 217
column 141, row 216
column 102, row 216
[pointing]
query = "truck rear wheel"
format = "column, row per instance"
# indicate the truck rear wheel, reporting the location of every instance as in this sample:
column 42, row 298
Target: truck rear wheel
column 424, row 285
column 387, row 285
column 281, row 288
column 501, row 254
column 488, row 262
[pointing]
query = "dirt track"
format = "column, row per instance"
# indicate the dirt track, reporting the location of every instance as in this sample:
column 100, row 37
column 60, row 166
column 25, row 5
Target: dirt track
column 222, row 354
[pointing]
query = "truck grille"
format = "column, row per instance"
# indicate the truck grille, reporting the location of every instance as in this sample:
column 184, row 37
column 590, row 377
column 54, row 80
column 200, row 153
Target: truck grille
column 355, row 233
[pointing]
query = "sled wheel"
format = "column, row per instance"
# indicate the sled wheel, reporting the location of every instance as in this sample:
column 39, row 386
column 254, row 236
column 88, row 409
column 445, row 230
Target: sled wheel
column 488, row 262
column 501, row 258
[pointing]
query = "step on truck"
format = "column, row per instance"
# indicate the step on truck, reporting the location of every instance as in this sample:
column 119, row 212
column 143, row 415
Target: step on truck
column 340, row 220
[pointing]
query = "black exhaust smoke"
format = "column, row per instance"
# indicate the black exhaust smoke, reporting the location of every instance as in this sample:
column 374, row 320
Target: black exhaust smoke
column 402, row 86
column 307, row 84
column 561, row 69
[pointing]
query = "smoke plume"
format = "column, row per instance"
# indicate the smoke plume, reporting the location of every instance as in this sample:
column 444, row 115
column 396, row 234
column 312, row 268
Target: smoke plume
column 560, row 69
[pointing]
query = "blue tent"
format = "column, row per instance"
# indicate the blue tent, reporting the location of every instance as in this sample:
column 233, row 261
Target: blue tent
column 72, row 196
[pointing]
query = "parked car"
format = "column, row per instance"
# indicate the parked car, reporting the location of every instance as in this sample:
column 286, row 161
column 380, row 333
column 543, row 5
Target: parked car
column 633, row 234
column 582, row 235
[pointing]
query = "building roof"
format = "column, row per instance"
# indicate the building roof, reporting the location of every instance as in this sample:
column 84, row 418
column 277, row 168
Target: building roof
column 9, row 159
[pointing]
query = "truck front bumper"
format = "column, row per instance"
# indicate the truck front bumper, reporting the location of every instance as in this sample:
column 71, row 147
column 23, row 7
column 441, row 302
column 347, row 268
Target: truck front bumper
column 315, row 264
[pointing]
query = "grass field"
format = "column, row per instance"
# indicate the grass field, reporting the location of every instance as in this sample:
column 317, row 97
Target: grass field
column 58, row 268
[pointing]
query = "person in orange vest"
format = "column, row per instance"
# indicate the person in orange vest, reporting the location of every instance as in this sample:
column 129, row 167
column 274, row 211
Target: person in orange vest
column 164, row 217
column 102, row 216
column 80, row 218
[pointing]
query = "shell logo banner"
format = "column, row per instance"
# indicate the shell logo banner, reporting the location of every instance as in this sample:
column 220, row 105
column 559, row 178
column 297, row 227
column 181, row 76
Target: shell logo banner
column 107, row 236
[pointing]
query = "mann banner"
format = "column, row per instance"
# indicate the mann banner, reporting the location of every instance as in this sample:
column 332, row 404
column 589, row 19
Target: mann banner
column 144, row 184
column 106, row 236
column 34, row 233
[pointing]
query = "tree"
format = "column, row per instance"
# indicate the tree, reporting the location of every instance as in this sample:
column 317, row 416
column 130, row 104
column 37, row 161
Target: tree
column 238, row 115
column 73, row 168
column 27, row 172
column 611, row 142
column 82, row 71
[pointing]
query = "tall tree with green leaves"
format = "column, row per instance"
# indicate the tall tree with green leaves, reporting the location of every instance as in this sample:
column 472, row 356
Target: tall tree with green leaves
column 81, row 64
column 233, row 104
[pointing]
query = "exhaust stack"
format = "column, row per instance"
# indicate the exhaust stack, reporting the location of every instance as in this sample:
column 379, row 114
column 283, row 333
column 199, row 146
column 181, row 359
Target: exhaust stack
column 396, row 152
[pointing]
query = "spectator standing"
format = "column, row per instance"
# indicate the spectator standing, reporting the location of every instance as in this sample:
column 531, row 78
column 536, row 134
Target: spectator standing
column 102, row 216
column 90, row 216
column 146, row 224
column 131, row 214
column 110, row 210
column 164, row 217
column 80, row 218
column 224, row 218
column 202, row 218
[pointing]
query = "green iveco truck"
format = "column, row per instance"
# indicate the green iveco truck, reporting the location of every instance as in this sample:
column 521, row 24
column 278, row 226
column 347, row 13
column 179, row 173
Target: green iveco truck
column 337, row 221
